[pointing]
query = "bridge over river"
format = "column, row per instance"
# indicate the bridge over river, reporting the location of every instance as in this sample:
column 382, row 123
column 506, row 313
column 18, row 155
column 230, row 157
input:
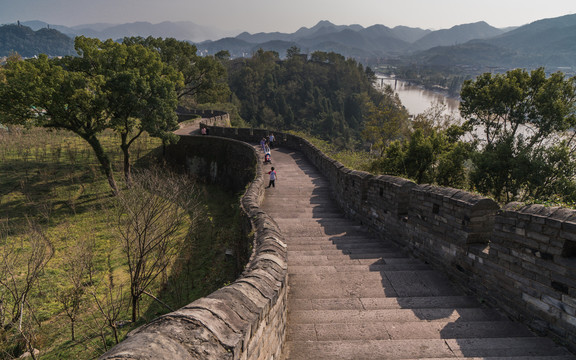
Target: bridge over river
column 354, row 296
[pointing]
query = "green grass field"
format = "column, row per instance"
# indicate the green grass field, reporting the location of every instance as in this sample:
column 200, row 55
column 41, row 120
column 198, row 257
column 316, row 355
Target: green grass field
column 52, row 180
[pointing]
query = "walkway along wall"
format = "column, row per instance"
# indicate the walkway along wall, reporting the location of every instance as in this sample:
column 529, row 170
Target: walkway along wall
column 521, row 258
column 247, row 319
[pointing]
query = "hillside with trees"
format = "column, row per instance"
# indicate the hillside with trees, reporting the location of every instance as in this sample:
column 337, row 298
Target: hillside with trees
column 28, row 43
column 325, row 95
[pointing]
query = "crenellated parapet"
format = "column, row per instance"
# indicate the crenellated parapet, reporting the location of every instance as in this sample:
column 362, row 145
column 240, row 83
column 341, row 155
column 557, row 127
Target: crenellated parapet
column 521, row 258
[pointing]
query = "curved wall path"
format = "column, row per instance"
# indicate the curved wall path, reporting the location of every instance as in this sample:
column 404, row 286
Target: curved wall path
column 352, row 296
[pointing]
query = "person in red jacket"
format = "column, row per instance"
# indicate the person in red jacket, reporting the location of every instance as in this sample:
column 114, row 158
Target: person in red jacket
column 273, row 177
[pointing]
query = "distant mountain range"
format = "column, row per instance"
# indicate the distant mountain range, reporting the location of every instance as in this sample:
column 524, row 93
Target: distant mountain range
column 181, row 30
column 548, row 42
column 352, row 40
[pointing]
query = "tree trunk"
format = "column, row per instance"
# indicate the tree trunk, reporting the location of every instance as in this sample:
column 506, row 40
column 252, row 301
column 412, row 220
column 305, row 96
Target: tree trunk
column 134, row 308
column 105, row 163
column 127, row 168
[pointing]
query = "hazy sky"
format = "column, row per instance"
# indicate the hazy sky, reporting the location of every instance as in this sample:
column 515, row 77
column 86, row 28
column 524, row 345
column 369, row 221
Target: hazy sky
column 287, row 15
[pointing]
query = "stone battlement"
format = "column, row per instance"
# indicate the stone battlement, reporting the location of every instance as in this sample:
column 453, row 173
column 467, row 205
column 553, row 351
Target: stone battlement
column 521, row 258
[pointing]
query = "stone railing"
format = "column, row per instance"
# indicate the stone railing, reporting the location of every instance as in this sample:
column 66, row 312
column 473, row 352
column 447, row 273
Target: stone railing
column 247, row 319
column 521, row 258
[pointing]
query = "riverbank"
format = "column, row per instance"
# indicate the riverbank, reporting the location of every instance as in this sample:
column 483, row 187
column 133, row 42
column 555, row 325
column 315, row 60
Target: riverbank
column 418, row 99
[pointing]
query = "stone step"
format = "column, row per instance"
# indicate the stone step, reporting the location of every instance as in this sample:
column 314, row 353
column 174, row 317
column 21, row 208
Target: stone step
column 302, row 230
column 323, row 260
column 310, row 222
column 333, row 251
column 517, row 348
column 343, row 317
column 344, row 240
column 375, row 330
column 342, row 269
column 300, row 192
column 420, row 302
column 328, row 246
column 302, row 258
column 309, row 213
column 373, row 284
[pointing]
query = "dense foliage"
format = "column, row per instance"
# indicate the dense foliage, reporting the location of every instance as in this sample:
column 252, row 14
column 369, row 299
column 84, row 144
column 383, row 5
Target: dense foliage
column 517, row 143
column 325, row 95
column 431, row 151
column 204, row 76
column 130, row 88
column 524, row 126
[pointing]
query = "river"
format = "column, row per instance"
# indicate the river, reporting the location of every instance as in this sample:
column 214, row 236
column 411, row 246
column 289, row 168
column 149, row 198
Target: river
column 416, row 99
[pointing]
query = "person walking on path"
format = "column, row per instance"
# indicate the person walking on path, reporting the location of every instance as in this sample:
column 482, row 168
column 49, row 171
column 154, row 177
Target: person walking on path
column 263, row 144
column 271, row 139
column 273, row 177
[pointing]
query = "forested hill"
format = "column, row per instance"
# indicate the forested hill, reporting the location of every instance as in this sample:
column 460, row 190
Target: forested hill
column 324, row 94
column 28, row 43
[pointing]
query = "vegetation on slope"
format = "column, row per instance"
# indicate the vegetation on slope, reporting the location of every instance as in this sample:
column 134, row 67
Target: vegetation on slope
column 325, row 95
column 56, row 206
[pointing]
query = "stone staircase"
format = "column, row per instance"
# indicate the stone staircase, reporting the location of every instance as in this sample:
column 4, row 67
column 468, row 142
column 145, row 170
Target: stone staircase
column 352, row 296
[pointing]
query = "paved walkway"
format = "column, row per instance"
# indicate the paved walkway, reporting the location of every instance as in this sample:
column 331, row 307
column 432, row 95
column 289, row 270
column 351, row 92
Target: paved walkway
column 352, row 296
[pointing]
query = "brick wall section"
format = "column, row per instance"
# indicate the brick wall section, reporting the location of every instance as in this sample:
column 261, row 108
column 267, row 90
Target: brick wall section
column 520, row 258
column 247, row 319
column 533, row 253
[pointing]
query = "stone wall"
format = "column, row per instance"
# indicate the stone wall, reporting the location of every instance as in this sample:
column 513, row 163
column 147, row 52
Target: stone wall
column 209, row 117
column 247, row 319
column 520, row 258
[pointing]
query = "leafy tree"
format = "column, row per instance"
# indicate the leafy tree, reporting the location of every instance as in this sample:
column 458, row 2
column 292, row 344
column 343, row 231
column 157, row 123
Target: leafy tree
column 222, row 55
column 385, row 122
column 204, row 77
column 40, row 92
column 292, row 52
column 433, row 152
column 139, row 89
column 108, row 86
column 522, row 123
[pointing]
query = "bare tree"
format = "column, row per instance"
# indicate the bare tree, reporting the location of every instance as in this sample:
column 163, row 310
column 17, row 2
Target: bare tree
column 149, row 217
column 109, row 306
column 21, row 264
column 78, row 266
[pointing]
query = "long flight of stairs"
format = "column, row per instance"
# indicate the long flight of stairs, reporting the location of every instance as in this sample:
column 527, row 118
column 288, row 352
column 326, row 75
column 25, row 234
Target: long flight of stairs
column 352, row 296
